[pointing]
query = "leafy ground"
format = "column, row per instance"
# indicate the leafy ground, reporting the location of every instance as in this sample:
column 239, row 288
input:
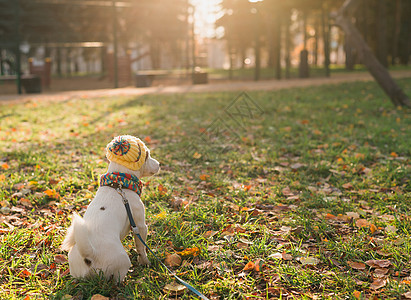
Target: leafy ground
column 293, row 194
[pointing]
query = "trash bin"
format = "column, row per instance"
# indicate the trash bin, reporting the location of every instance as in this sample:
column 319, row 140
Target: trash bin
column 31, row 84
column 200, row 78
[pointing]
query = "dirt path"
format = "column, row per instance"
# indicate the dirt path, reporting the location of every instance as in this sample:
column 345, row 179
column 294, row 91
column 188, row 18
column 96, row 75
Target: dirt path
column 264, row 85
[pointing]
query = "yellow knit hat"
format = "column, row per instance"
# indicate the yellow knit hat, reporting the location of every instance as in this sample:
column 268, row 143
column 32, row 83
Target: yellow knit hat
column 128, row 151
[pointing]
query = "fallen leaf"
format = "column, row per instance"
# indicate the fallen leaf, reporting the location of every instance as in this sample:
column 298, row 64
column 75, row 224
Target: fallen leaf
column 377, row 284
column 356, row 265
column 210, row 233
column 5, row 166
column 286, row 256
column 357, row 294
column 381, row 271
column 60, row 259
column 197, row 155
column 406, row 295
column 390, row 229
column 147, row 139
column 258, row 264
column 347, row 186
column 174, row 288
column 190, row 251
column 2, row 177
column 373, row 228
column 99, row 297
column 161, row 215
column 276, row 255
column 309, row 261
column 249, row 266
column 25, row 202
column 375, row 263
column 204, row 177
column 353, row 215
column 173, row 260
column 362, row 223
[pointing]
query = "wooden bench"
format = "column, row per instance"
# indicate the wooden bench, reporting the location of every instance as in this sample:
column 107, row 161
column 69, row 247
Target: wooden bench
column 31, row 83
column 145, row 78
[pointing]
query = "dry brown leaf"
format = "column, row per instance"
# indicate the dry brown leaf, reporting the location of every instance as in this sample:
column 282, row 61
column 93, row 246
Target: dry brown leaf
column 286, row 256
column 381, row 271
column 174, row 288
column 99, row 297
column 347, row 186
column 377, row 284
column 173, row 260
column 356, row 265
column 362, row 223
column 375, row 263
column 406, row 295
column 60, row 259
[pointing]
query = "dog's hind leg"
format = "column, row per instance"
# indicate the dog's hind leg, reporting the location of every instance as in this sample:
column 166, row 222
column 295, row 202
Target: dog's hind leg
column 141, row 249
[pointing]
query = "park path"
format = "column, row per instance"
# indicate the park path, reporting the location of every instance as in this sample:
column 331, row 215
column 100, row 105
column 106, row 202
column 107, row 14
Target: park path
column 263, row 85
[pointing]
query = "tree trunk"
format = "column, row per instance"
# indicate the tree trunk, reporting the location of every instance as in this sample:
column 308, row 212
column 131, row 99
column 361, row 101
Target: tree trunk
column 326, row 40
column 376, row 69
column 397, row 28
column 382, row 48
column 287, row 46
column 277, row 47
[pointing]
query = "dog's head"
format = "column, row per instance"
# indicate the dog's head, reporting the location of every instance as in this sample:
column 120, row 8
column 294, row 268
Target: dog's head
column 129, row 154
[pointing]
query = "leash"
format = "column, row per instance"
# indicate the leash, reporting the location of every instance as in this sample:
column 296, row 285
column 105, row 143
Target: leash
column 137, row 234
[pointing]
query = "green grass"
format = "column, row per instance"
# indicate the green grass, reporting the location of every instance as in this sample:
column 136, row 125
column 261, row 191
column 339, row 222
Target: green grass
column 273, row 192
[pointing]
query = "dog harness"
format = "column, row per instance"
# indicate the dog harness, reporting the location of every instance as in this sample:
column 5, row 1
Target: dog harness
column 122, row 180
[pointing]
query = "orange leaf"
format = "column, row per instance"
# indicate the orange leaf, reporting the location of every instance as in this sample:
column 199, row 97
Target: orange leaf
column 357, row 294
column 2, row 177
column 330, row 216
column 305, row 122
column 257, row 264
column 204, row 177
column 393, row 154
column 373, row 228
column 247, row 187
column 5, row 166
column 190, row 251
column 162, row 189
column 147, row 139
column 25, row 273
column 249, row 266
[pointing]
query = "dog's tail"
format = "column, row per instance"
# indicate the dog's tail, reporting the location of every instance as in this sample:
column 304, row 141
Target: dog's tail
column 78, row 234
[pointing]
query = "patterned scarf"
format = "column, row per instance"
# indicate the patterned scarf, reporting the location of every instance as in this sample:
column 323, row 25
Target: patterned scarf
column 124, row 180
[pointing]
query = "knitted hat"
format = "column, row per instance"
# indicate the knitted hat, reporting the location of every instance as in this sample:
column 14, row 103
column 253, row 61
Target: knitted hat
column 128, row 151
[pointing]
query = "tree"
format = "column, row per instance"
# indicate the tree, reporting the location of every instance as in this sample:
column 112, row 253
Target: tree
column 377, row 70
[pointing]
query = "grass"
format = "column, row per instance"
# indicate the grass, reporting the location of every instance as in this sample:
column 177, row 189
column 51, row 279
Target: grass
column 279, row 204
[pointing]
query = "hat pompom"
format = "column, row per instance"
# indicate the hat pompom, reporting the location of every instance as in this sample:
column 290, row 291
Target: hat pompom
column 119, row 146
column 128, row 151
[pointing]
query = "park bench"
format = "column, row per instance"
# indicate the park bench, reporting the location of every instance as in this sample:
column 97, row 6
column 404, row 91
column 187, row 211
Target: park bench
column 145, row 78
column 31, row 83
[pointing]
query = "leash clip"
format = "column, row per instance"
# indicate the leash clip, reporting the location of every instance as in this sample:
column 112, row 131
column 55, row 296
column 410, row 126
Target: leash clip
column 122, row 194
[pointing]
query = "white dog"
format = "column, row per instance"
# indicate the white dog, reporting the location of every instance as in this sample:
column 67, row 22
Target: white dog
column 94, row 241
